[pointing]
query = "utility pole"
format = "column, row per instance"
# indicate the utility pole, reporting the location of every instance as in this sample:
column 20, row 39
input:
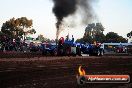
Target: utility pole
column 68, row 33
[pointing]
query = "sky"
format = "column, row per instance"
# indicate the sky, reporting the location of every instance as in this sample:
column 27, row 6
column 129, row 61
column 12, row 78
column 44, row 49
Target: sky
column 115, row 16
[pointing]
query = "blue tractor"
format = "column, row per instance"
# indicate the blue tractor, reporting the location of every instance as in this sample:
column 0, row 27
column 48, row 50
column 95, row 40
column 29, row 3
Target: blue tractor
column 68, row 47
column 65, row 47
column 49, row 49
column 93, row 49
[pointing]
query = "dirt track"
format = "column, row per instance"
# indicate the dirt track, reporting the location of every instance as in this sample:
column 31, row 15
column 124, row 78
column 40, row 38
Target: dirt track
column 60, row 72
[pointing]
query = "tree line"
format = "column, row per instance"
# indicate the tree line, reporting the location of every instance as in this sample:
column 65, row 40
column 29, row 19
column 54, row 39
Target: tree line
column 94, row 32
column 21, row 27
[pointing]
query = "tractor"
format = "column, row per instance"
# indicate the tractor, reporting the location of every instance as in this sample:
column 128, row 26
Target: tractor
column 65, row 47
column 93, row 49
column 68, row 47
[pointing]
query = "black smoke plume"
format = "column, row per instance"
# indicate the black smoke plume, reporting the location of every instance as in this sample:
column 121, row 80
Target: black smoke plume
column 64, row 8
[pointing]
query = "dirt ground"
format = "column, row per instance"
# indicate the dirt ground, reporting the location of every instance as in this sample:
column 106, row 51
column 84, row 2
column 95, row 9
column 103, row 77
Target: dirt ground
column 60, row 72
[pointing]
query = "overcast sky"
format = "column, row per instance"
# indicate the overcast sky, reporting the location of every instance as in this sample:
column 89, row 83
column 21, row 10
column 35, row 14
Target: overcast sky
column 115, row 15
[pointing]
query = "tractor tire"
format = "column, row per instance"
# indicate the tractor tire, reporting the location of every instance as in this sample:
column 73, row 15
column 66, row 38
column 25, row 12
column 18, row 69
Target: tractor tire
column 55, row 53
column 98, row 53
column 101, row 53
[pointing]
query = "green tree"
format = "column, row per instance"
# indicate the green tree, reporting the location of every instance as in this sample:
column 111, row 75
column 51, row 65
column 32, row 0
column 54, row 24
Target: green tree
column 121, row 39
column 80, row 40
column 87, row 39
column 40, row 38
column 111, row 37
column 99, row 38
column 94, row 32
column 18, row 27
column 114, row 38
column 9, row 28
column 129, row 34
column 94, row 29
column 32, row 31
column 26, row 26
column 43, row 39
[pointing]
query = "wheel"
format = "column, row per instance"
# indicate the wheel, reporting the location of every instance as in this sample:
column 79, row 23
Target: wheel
column 118, row 51
column 48, row 53
column 43, row 52
column 98, row 53
column 55, row 52
column 101, row 53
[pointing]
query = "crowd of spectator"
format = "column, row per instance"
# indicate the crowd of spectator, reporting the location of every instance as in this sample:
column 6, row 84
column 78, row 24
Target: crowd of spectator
column 17, row 44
